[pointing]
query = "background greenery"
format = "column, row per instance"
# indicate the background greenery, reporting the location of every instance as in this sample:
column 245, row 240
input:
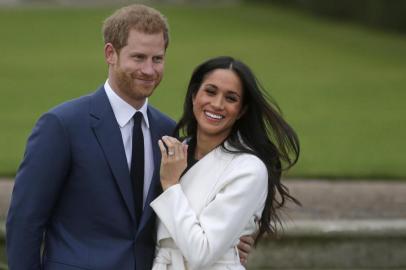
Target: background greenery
column 375, row 13
column 340, row 85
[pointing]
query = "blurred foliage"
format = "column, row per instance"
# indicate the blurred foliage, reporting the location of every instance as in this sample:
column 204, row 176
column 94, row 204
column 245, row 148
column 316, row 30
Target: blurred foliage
column 342, row 87
column 389, row 14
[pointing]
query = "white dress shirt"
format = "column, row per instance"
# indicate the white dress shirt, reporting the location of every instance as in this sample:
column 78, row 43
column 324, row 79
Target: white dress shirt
column 124, row 113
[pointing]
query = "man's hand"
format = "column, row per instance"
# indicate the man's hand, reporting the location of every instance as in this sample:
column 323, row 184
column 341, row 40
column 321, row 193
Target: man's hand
column 245, row 247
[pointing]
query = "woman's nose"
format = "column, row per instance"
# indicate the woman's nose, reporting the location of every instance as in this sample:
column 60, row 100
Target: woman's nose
column 218, row 102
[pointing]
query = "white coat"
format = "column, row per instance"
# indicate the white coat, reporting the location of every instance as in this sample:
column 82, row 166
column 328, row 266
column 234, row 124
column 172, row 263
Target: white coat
column 201, row 219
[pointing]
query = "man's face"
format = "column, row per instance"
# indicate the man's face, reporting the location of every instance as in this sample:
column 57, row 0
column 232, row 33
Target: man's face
column 138, row 68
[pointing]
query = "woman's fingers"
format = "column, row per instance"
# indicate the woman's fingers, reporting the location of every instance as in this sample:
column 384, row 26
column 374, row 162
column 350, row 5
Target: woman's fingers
column 184, row 148
column 175, row 148
column 175, row 144
column 170, row 146
column 178, row 149
column 173, row 161
column 163, row 149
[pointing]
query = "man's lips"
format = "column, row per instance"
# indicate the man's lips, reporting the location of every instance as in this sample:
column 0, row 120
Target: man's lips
column 145, row 81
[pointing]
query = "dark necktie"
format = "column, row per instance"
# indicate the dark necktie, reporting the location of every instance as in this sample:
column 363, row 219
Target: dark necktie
column 137, row 165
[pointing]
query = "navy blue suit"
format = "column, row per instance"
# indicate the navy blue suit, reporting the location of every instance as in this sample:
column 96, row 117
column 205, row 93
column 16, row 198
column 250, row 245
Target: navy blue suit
column 73, row 193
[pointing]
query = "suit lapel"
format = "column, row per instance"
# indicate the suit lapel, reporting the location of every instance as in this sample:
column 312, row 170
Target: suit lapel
column 108, row 134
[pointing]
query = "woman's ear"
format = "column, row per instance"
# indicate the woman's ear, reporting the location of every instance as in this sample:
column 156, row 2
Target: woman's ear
column 194, row 98
column 242, row 112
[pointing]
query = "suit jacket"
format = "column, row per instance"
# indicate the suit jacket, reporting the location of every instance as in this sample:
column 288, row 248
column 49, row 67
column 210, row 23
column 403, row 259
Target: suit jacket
column 202, row 218
column 73, row 193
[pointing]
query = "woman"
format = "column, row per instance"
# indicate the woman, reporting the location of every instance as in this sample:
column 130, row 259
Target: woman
column 224, row 182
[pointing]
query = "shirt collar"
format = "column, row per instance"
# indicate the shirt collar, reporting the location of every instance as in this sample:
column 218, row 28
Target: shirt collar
column 122, row 110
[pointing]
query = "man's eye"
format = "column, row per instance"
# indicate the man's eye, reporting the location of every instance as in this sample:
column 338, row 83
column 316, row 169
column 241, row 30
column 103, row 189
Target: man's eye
column 138, row 57
column 158, row 60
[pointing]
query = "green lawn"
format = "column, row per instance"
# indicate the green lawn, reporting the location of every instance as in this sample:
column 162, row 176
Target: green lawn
column 340, row 85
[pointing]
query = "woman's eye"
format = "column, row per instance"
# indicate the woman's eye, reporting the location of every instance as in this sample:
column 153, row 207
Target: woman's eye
column 232, row 98
column 210, row 92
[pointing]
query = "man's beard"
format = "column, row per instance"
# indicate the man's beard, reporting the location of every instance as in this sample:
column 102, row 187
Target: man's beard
column 126, row 84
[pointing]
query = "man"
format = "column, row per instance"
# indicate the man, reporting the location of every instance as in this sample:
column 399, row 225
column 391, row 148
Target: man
column 78, row 191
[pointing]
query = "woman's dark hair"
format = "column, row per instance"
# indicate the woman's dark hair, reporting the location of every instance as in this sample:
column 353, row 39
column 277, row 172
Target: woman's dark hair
column 260, row 131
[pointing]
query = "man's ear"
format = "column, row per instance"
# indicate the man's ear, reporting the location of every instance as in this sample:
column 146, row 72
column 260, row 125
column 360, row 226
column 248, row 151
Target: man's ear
column 110, row 54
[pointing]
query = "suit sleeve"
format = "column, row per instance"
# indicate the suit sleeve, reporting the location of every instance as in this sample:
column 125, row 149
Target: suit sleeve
column 37, row 185
column 205, row 238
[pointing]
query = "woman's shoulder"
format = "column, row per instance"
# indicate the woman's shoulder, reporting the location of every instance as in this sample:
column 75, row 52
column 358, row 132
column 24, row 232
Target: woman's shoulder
column 248, row 161
column 245, row 172
column 245, row 164
column 243, row 158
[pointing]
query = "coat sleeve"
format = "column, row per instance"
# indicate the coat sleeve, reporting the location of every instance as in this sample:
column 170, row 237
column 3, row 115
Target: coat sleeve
column 205, row 238
column 37, row 185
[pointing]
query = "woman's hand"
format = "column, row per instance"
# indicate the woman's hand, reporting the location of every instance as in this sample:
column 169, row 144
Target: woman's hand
column 173, row 162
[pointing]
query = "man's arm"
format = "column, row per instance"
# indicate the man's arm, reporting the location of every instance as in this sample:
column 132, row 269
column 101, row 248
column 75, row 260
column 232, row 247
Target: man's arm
column 245, row 247
column 37, row 185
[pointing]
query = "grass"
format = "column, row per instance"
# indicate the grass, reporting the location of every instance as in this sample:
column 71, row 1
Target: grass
column 341, row 86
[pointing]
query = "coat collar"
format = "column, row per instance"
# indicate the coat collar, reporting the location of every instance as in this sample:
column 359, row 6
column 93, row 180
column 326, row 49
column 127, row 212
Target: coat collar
column 123, row 111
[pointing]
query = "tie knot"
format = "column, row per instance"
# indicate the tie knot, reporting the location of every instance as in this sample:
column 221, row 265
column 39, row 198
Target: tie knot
column 137, row 118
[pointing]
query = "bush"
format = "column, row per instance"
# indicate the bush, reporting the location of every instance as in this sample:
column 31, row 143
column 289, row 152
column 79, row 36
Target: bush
column 377, row 13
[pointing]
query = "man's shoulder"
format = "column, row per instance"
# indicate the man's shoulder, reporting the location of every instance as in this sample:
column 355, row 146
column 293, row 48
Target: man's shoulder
column 74, row 106
column 157, row 115
column 70, row 105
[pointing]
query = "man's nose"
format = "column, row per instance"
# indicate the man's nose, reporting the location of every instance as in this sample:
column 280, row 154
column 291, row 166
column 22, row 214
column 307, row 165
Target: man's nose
column 148, row 67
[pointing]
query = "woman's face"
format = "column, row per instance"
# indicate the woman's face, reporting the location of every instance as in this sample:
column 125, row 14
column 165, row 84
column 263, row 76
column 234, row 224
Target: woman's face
column 218, row 104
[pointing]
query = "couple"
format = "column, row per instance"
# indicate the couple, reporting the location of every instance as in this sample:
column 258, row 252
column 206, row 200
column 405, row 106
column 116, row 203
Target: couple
column 78, row 201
